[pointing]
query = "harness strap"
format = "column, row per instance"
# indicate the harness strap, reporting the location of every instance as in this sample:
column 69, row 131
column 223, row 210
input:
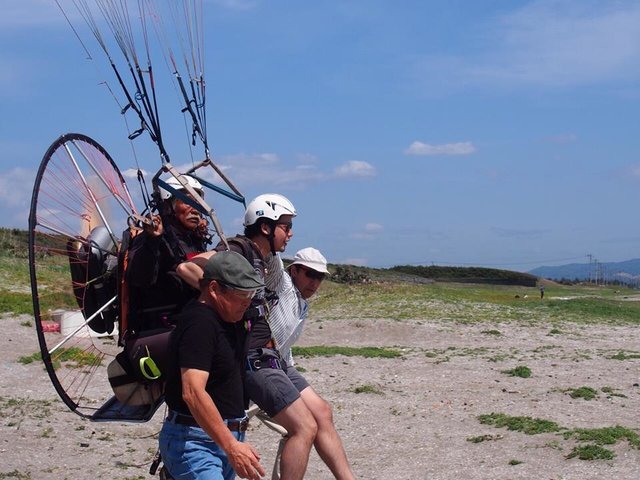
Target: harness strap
column 260, row 358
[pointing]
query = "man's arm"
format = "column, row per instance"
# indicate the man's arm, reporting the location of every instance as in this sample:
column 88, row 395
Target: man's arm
column 242, row 456
column 144, row 255
column 191, row 271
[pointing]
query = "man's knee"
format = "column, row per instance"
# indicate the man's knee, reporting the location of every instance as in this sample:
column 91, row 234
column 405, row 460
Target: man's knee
column 323, row 412
column 298, row 420
column 320, row 408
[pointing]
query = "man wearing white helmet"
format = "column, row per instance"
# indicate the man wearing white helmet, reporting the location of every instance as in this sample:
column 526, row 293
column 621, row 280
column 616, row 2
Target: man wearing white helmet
column 294, row 286
column 176, row 234
column 268, row 382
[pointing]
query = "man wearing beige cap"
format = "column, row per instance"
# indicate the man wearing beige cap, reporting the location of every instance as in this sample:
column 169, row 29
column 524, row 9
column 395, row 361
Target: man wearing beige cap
column 202, row 436
column 294, row 287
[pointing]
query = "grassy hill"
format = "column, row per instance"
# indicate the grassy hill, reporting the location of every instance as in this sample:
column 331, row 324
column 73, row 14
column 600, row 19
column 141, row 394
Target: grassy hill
column 425, row 293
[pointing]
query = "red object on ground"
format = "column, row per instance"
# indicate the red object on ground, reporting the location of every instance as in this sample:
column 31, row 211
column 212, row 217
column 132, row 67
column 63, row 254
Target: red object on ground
column 51, row 327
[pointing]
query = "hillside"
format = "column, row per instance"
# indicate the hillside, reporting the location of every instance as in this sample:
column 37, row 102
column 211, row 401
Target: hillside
column 627, row 271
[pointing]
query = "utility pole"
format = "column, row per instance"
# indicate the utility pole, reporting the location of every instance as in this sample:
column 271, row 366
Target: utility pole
column 590, row 256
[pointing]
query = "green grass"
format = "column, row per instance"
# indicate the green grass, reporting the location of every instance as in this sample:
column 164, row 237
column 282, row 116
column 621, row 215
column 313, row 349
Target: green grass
column 15, row 475
column 330, row 351
column 591, row 440
column 484, row 438
column 521, row 371
column 54, row 281
column 612, row 393
column 605, row 436
column 368, row 389
column 388, row 298
column 15, row 302
column 74, row 358
column 492, row 332
column 470, row 303
column 587, row 393
column 591, row 452
column 528, row 425
column 621, row 355
column 19, row 408
column 27, row 359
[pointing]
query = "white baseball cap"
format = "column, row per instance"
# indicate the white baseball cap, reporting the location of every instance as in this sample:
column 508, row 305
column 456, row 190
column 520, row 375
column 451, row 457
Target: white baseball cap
column 311, row 258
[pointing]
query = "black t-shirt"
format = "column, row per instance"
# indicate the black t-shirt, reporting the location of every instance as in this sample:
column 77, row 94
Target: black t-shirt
column 203, row 341
column 259, row 330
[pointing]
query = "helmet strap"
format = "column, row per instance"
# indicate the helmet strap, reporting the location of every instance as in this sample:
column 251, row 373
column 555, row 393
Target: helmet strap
column 271, row 237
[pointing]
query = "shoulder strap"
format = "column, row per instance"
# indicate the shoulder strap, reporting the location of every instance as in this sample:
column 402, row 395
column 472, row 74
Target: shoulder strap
column 247, row 249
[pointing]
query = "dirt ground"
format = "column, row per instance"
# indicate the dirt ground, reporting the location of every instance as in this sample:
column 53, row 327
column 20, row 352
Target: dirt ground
column 413, row 420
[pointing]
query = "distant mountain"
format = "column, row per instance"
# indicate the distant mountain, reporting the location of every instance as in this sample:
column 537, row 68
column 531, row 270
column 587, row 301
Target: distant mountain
column 626, row 272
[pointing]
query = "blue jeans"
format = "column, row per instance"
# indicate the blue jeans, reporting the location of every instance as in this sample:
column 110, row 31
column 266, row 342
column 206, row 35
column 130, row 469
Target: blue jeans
column 190, row 454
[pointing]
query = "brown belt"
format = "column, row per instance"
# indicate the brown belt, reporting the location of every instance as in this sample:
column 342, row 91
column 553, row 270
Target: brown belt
column 180, row 419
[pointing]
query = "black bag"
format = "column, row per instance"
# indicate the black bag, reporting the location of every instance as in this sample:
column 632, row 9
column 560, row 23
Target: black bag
column 137, row 373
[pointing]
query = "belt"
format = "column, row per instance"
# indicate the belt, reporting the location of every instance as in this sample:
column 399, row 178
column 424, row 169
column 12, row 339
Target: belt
column 189, row 421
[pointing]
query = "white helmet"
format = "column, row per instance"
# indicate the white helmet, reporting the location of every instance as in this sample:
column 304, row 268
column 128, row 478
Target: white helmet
column 269, row 205
column 175, row 183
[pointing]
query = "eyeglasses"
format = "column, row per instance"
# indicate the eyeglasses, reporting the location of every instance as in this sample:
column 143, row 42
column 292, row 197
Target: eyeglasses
column 286, row 226
column 312, row 274
column 245, row 294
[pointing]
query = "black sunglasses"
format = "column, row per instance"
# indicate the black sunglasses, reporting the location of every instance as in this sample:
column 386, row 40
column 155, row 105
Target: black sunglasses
column 312, row 274
column 286, row 226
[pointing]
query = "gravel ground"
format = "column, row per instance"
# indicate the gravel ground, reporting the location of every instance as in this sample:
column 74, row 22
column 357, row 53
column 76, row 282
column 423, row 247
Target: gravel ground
column 413, row 421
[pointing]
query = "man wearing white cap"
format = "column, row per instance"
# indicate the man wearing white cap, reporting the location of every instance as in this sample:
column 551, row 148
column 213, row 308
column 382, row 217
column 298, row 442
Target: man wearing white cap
column 304, row 276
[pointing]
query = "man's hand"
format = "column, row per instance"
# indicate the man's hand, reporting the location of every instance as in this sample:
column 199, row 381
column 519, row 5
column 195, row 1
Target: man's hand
column 155, row 228
column 245, row 461
column 203, row 227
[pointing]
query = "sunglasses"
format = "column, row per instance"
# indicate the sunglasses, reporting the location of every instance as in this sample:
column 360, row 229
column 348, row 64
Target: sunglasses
column 312, row 274
column 286, row 226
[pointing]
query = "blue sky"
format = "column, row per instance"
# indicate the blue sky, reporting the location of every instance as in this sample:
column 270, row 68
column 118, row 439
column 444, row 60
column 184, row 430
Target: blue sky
column 494, row 133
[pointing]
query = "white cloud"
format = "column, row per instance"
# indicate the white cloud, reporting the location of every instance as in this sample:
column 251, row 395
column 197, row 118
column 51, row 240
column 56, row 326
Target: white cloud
column 563, row 138
column 19, row 14
column 355, row 168
column 307, row 158
column 236, row 4
column 546, row 43
column 15, row 194
column 249, row 170
column 267, row 169
column 369, row 232
column 373, row 227
column 424, row 149
column 359, row 262
column 133, row 173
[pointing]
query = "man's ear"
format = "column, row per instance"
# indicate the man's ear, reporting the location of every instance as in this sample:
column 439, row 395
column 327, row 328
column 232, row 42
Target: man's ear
column 213, row 287
column 293, row 271
column 266, row 228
